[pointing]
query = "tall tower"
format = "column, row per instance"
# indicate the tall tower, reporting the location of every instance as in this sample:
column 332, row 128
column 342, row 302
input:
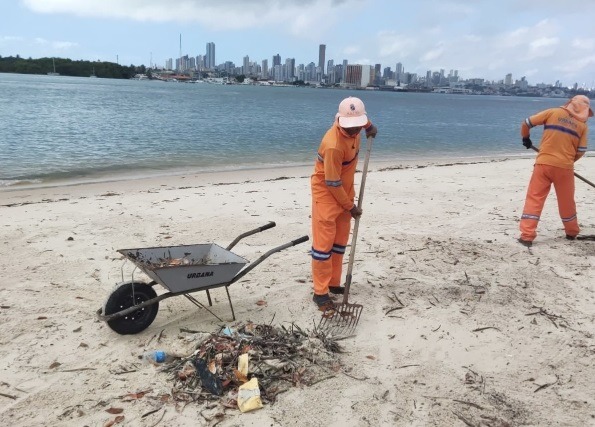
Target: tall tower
column 276, row 60
column 321, row 57
column 210, row 56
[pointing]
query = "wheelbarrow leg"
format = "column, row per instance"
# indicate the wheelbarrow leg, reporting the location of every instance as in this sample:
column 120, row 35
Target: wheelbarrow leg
column 233, row 315
column 199, row 304
column 209, row 298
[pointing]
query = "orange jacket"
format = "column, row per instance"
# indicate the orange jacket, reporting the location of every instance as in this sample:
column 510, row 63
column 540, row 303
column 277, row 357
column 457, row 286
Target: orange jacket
column 564, row 138
column 334, row 171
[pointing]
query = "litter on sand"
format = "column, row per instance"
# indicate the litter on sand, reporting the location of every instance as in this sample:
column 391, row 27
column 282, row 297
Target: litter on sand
column 248, row 365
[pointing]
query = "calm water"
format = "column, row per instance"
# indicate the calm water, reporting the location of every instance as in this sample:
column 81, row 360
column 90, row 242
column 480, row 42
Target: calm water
column 70, row 127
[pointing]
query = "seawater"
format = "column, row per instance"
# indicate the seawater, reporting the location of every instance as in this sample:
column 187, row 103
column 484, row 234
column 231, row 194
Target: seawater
column 58, row 127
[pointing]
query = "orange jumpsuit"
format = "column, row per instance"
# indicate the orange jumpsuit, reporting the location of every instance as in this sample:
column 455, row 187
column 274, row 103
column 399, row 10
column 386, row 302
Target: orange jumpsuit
column 564, row 141
column 333, row 194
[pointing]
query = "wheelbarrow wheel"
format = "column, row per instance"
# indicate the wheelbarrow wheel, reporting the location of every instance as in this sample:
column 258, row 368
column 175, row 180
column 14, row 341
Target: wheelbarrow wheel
column 125, row 296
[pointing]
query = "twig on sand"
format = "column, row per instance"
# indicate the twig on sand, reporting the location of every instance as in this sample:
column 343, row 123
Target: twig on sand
column 484, row 328
column 541, row 387
column 464, row 402
column 547, row 315
column 10, row 396
column 150, row 412
column 465, row 420
column 159, row 420
column 393, row 309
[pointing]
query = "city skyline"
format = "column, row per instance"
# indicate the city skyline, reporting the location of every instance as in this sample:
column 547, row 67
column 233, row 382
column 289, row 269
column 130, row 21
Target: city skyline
column 482, row 40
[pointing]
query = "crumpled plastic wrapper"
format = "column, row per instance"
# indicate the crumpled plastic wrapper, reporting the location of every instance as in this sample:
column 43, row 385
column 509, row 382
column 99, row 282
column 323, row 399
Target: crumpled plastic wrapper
column 249, row 396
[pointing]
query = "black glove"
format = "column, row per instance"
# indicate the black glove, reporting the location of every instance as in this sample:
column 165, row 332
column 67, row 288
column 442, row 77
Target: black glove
column 527, row 143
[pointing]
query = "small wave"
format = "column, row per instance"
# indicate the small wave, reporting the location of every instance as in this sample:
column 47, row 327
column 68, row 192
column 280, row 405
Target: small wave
column 16, row 182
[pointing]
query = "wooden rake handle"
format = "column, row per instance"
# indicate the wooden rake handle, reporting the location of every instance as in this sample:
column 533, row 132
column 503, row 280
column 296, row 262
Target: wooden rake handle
column 356, row 225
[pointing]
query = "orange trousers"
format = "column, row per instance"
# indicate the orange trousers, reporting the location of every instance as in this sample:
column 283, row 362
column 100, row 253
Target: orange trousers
column 539, row 187
column 330, row 233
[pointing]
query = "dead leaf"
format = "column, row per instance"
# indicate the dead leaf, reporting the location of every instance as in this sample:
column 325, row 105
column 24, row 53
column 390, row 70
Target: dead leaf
column 371, row 357
column 138, row 395
column 80, row 328
column 261, row 302
column 55, row 365
column 83, row 345
column 114, row 410
column 41, row 318
column 240, row 376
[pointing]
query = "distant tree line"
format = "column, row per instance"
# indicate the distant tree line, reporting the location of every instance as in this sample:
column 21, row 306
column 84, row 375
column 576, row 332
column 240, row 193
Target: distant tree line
column 68, row 67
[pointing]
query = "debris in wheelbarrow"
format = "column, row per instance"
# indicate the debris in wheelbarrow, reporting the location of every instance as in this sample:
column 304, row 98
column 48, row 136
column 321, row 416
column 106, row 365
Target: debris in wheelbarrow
column 133, row 304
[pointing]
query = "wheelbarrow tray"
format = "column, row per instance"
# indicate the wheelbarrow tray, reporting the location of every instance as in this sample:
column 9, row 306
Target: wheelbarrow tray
column 187, row 268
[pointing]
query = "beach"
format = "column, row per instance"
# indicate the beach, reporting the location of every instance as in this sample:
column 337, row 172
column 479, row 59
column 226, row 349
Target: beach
column 461, row 324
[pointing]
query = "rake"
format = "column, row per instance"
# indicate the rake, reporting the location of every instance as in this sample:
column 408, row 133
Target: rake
column 341, row 320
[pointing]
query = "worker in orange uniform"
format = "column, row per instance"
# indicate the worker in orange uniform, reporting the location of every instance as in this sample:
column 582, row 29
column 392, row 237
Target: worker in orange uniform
column 563, row 142
column 333, row 196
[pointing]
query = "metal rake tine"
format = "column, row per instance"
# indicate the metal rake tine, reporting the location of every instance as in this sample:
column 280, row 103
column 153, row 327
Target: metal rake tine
column 341, row 321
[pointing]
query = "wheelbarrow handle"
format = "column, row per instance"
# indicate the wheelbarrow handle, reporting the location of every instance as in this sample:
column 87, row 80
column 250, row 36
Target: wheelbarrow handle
column 271, row 224
column 249, row 268
column 300, row 240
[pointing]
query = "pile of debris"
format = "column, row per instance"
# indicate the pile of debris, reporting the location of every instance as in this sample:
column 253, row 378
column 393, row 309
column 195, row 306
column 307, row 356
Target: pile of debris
column 248, row 364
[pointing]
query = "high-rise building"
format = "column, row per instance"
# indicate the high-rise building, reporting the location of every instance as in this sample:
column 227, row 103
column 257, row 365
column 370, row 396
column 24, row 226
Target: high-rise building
column 321, row 57
column 276, row 60
column 265, row 69
column 377, row 74
column 344, row 74
column 210, row 56
column 353, row 75
column 246, row 66
column 508, row 79
column 290, row 68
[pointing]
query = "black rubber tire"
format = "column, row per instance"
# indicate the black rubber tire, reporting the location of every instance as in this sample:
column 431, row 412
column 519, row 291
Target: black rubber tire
column 121, row 299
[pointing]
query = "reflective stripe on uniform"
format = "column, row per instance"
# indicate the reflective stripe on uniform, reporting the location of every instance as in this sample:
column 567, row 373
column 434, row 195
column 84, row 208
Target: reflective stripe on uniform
column 320, row 256
column 530, row 216
column 528, row 122
column 561, row 129
column 570, row 218
column 338, row 249
column 582, row 149
column 334, row 183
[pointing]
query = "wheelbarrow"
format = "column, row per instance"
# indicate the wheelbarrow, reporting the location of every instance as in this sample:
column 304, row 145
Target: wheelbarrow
column 133, row 304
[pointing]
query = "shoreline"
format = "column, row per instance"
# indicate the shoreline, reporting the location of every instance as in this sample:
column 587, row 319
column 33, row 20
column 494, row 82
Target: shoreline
column 231, row 172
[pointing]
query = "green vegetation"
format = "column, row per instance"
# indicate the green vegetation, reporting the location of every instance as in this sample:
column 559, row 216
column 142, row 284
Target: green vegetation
column 68, row 67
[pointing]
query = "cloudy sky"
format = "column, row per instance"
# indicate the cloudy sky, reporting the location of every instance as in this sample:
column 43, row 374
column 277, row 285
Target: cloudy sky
column 544, row 40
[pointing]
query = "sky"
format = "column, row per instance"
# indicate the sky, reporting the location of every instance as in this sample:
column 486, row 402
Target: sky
column 543, row 40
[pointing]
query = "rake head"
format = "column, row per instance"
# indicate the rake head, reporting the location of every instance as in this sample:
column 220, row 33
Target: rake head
column 340, row 320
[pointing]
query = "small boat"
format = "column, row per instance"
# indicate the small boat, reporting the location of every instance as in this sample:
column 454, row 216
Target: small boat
column 54, row 73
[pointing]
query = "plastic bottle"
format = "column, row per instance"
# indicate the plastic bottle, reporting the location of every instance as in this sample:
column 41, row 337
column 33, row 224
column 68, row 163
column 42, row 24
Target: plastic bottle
column 157, row 357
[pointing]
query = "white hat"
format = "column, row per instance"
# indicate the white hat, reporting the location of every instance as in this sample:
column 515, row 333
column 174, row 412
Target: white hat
column 352, row 113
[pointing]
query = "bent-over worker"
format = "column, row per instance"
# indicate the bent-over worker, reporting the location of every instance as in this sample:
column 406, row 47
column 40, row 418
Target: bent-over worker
column 563, row 142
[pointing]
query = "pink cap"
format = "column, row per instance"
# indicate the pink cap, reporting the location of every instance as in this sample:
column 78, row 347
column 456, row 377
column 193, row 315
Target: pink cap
column 580, row 107
column 352, row 113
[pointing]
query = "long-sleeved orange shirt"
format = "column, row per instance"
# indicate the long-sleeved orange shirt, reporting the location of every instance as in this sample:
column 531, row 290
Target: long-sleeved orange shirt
column 334, row 171
column 564, row 138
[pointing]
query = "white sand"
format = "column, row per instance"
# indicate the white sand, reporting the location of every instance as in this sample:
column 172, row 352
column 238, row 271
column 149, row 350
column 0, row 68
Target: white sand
column 491, row 333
